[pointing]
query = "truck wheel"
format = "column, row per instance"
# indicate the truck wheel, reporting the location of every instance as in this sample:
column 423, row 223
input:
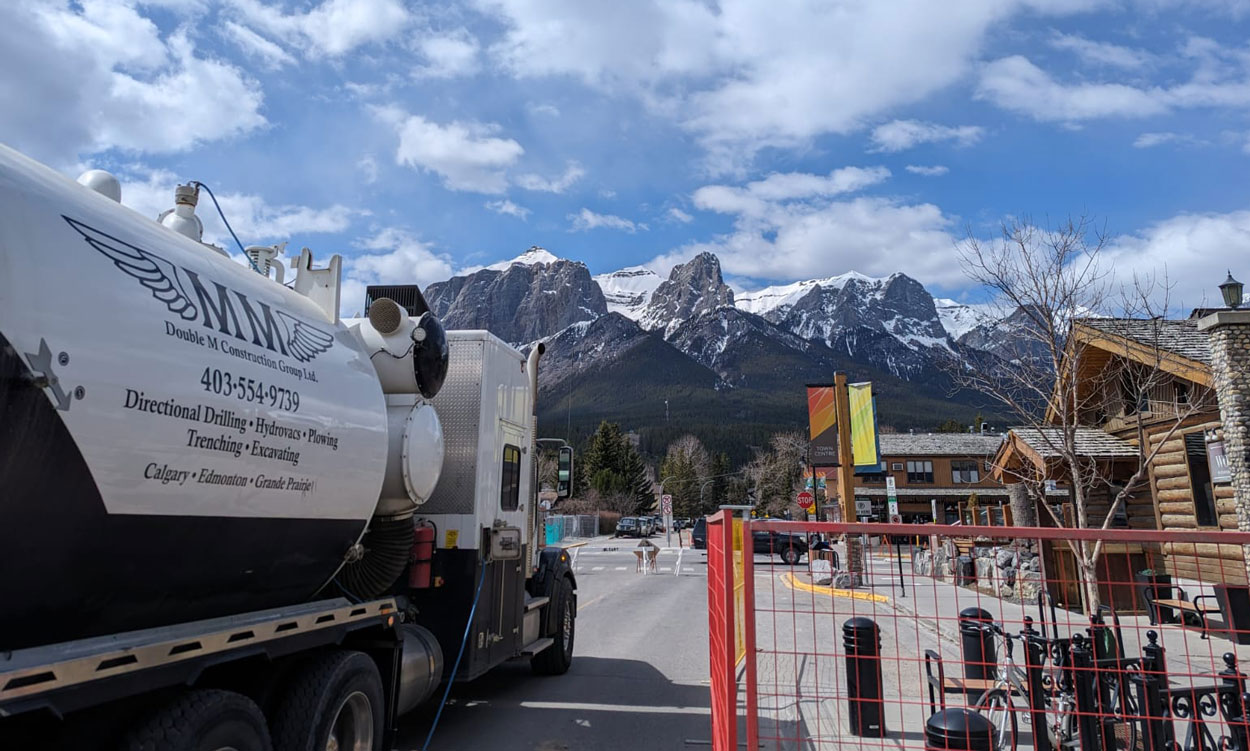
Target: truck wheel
column 333, row 702
column 790, row 556
column 202, row 720
column 556, row 659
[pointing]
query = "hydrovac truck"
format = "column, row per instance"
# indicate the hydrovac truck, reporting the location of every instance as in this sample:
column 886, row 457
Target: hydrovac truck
column 230, row 519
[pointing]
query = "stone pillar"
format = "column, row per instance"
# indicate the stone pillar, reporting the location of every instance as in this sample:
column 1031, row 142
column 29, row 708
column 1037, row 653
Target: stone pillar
column 1228, row 332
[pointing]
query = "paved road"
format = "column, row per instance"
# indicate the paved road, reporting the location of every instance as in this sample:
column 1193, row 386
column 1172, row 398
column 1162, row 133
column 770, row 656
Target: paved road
column 639, row 676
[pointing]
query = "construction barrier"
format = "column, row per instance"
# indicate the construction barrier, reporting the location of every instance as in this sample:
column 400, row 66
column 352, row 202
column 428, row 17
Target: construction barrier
column 978, row 638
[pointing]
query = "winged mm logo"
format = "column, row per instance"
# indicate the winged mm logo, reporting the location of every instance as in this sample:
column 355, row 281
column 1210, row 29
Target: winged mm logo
column 215, row 305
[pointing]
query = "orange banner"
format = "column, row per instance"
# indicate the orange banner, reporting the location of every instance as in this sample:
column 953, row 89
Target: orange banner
column 822, row 417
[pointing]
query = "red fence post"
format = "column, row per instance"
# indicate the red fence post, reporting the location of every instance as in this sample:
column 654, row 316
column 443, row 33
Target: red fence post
column 748, row 635
column 724, row 688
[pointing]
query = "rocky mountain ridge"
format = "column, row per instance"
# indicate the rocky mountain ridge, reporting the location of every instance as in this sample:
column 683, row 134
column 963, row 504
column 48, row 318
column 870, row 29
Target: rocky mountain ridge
column 690, row 333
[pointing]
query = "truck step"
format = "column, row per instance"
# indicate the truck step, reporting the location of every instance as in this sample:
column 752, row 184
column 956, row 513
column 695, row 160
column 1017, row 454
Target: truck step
column 536, row 602
column 537, row 646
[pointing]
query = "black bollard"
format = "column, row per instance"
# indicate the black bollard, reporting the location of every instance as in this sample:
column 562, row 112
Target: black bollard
column 1097, row 731
column 862, row 641
column 958, row 729
column 977, row 641
column 1156, row 726
column 1034, row 661
column 1234, row 708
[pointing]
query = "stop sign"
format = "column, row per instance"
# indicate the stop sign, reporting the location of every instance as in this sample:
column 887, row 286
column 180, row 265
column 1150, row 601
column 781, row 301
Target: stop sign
column 807, row 500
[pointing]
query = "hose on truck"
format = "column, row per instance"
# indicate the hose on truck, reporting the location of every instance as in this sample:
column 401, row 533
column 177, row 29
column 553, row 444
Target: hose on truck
column 451, row 678
column 388, row 546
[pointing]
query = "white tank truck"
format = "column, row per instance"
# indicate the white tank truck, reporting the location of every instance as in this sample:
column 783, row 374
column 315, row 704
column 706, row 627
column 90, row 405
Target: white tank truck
column 231, row 520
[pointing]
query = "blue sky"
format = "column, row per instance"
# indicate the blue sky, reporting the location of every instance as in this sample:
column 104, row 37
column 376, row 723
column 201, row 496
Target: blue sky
column 794, row 139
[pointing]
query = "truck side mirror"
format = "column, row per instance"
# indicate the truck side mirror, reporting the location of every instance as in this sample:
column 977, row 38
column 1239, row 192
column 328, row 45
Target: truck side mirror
column 564, row 473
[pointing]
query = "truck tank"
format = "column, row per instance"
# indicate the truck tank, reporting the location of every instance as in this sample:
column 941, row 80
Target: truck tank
column 180, row 437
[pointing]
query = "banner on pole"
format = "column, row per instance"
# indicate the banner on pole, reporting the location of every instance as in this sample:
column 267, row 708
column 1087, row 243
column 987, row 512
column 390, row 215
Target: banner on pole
column 822, row 418
column 864, row 449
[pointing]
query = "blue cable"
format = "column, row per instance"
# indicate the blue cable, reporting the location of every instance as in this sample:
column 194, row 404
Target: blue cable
column 224, row 221
column 456, row 668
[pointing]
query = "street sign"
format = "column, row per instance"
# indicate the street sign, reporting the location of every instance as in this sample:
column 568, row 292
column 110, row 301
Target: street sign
column 806, row 500
column 893, row 510
column 863, row 507
column 666, row 505
column 889, row 486
column 896, row 519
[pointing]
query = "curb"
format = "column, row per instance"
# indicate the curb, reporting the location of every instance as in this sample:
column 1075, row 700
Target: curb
column 794, row 583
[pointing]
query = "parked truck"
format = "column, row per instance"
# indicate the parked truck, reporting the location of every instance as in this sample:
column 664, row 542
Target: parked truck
column 230, row 518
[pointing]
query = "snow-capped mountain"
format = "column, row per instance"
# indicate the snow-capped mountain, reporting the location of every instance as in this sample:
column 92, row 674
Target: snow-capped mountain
column 629, row 290
column 535, row 255
column 959, row 318
column 692, row 288
column 533, row 296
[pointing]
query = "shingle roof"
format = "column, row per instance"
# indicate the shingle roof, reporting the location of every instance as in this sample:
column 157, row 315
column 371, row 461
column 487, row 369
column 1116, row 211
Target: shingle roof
column 939, row 444
column 1179, row 337
column 1090, row 442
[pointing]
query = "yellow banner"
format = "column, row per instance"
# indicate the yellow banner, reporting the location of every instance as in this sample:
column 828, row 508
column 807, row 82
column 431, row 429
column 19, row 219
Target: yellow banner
column 863, row 425
column 740, row 583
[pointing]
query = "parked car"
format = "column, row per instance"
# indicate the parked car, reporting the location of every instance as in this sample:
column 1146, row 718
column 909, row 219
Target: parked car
column 698, row 534
column 646, row 527
column 790, row 547
column 628, row 526
column 657, row 523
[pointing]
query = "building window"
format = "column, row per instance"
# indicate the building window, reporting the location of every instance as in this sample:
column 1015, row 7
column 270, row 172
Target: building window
column 872, row 477
column 510, row 487
column 1200, row 480
column 965, row 471
column 1182, row 393
column 920, row 472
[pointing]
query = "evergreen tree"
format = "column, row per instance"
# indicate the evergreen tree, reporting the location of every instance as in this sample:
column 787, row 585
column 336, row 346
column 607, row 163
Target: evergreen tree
column 637, row 483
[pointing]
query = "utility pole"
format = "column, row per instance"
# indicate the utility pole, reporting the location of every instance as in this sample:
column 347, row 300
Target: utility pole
column 846, row 477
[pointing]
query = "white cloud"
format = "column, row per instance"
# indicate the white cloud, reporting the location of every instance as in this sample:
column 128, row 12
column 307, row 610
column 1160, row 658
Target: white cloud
column 799, row 226
column 467, row 155
column 900, row 135
column 1193, row 251
column 369, row 168
column 549, row 110
column 398, row 257
column 150, row 192
column 572, row 174
column 1016, row 84
column 760, row 197
column 449, row 55
column 745, row 75
column 1150, row 140
column 677, row 215
column 334, row 27
column 270, row 54
column 1102, row 53
column 936, row 170
column 586, row 220
column 509, row 208
column 99, row 76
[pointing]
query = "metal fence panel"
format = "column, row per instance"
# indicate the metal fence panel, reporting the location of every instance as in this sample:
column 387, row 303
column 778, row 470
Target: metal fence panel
column 1143, row 651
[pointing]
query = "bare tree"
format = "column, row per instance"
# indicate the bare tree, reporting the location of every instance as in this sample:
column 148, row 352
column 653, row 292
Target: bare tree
column 1049, row 284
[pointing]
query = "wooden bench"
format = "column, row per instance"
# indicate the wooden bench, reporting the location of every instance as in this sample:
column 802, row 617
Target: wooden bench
column 1186, row 607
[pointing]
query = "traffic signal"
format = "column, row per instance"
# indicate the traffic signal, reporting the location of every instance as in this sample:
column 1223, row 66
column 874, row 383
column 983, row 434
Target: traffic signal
column 564, row 473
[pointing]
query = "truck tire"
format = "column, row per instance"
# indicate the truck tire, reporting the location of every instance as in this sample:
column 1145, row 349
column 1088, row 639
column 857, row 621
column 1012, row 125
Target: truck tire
column 335, row 695
column 556, row 659
column 202, row 720
column 790, row 556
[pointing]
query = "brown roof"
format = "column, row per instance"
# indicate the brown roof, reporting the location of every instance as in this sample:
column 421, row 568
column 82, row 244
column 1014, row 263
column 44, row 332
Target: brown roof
column 1178, row 337
column 939, row 444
